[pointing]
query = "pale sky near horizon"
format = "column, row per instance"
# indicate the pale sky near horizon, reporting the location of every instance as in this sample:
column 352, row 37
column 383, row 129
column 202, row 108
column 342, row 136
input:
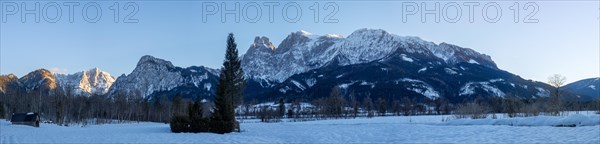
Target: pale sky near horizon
column 565, row 40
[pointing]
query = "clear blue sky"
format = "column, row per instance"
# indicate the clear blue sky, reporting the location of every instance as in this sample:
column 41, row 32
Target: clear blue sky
column 564, row 41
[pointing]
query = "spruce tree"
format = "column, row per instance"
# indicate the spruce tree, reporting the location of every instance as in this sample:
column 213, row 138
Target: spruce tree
column 281, row 107
column 229, row 90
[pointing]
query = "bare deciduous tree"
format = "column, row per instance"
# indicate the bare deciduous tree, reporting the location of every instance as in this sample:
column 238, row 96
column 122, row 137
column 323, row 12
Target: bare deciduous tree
column 557, row 81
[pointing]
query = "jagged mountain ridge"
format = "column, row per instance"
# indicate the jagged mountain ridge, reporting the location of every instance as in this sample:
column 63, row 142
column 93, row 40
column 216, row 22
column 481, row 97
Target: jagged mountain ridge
column 367, row 62
column 154, row 77
column 88, row 82
column 83, row 83
column 302, row 51
column 376, row 63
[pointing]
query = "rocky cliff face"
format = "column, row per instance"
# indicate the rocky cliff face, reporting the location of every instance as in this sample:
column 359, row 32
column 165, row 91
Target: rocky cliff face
column 153, row 75
column 86, row 83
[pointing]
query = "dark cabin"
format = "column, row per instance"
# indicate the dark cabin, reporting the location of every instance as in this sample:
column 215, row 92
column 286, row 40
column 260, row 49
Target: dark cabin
column 30, row 119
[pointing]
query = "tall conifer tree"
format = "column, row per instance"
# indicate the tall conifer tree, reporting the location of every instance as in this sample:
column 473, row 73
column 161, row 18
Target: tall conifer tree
column 229, row 90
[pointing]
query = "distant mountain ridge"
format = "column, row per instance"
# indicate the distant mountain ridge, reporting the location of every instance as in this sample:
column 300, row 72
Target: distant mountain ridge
column 586, row 87
column 84, row 83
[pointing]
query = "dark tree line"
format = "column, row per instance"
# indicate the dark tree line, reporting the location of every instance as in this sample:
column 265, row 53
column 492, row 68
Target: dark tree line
column 63, row 108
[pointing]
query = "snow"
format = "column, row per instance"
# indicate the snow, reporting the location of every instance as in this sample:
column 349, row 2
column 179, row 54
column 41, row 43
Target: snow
column 542, row 92
column 422, row 70
column 284, row 90
column 311, row 82
column 345, row 85
column 420, row 87
column 392, row 129
column 406, row 58
column 473, row 61
column 207, row 86
column 364, row 83
column 592, row 87
column 469, row 89
column 570, row 120
column 334, row 36
column 273, row 106
column 305, row 33
column 450, row 71
column 298, row 85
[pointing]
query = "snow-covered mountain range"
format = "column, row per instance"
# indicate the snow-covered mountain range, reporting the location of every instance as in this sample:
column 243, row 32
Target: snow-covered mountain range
column 302, row 51
column 85, row 83
column 367, row 63
column 375, row 63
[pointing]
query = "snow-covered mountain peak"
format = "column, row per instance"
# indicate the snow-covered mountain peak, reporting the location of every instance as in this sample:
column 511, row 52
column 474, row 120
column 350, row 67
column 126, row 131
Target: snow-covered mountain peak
column 263, row 42
column 365, row 32
column 303, row 32
column 148, row 59
column 87, row 82
column 157, row 75
column 382, row 36
column 95, row 70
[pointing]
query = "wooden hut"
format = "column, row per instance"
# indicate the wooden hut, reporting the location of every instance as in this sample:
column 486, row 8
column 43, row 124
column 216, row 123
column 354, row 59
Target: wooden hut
column 30, row 119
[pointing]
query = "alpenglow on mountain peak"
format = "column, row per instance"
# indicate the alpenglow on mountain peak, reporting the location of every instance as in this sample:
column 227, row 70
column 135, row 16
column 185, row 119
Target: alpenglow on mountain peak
column 87, row 82
column 302, row 51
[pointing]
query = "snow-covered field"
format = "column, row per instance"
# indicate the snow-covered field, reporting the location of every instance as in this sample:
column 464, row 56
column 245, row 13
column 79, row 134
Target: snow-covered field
column 415, row 129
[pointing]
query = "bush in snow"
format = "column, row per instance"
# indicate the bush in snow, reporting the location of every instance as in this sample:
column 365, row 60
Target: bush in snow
column 180, row 124
column 471, row 110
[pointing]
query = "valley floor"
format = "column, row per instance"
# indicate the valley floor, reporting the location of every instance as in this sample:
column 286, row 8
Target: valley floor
column 393, row 129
